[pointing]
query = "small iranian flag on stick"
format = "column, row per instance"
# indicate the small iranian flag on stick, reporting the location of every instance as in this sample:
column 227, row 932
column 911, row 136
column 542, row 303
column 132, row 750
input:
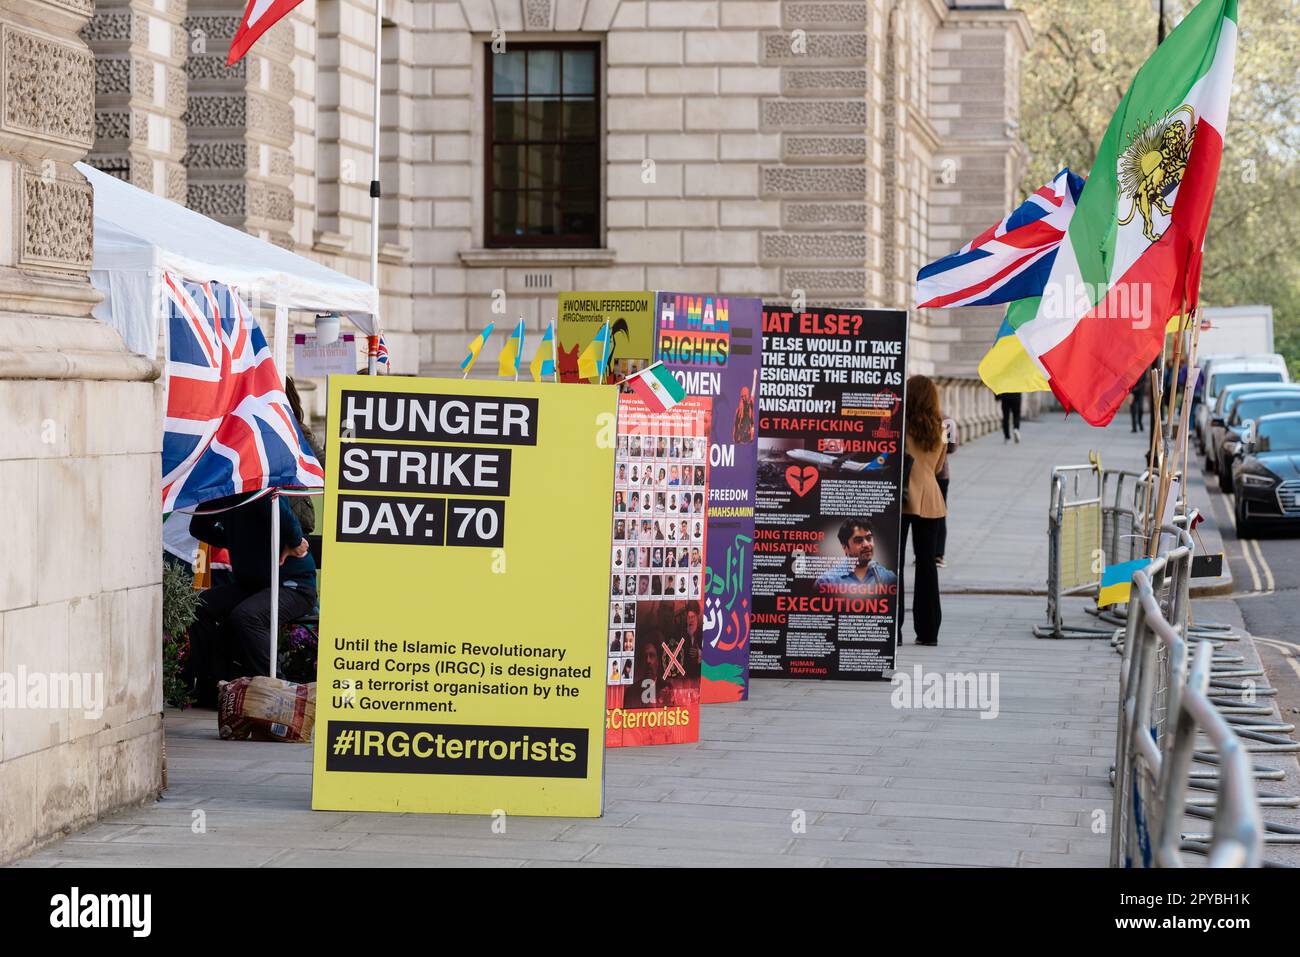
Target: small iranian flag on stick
column 657, row 387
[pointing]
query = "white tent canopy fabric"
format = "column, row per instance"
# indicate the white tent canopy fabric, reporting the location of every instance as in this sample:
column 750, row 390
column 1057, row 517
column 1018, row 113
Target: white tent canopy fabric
column 138, row 236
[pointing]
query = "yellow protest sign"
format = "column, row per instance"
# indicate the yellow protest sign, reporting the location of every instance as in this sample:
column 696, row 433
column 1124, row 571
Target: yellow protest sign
column 464, row 597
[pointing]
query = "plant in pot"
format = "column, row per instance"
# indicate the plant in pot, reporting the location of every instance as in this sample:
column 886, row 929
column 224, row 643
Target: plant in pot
column 180, row 608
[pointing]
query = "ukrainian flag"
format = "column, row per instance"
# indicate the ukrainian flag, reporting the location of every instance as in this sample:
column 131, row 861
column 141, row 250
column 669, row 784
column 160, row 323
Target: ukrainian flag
column 1117, row 581
column 588, row 367
column 543, row 364
column 1007, row 367
column 512, row 352
column 475, row 348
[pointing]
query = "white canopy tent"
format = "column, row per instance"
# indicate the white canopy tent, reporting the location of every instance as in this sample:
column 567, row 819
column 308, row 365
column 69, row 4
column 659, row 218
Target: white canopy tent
column 139, row 236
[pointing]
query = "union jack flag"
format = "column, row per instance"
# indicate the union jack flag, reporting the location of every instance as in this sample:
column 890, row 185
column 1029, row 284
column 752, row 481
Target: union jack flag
column 1006, row 262
column 229, row 427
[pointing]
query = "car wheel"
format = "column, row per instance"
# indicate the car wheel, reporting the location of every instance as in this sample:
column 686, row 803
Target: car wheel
column 1225, row 481
column 1245, row 527
column 1225, row 472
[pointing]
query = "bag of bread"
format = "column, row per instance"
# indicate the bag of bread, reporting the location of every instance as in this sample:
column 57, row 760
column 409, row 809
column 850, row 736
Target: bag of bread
column 266, row 709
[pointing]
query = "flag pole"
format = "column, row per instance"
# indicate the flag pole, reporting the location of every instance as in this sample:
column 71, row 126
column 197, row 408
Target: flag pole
column 372, row 357
column 555, row 353
column 604, row 353
column 1174, row 431
column 1190, row 386
column 275, row 580
column 1153, row 454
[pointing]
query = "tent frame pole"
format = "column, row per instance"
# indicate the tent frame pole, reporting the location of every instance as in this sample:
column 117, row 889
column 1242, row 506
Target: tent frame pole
column 280, row 336
column 275, row 580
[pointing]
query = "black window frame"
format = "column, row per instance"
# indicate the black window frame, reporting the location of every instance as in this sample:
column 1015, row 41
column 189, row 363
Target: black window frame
column 591, row 240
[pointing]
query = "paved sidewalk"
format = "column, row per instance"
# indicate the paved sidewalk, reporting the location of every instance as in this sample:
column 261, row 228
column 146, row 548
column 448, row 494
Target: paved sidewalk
column 998, row 497
column 873, row 784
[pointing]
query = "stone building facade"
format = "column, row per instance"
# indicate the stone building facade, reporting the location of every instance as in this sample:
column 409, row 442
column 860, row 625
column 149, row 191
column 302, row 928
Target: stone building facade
column 760, row 147
column 778, row 148
column 80, row 439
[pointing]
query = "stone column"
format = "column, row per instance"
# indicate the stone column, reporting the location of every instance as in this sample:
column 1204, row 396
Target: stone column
column 974, row 103
column 829, row 179
column 79, row 475
column 339, row 144
column 240, row 122
column 140, row 48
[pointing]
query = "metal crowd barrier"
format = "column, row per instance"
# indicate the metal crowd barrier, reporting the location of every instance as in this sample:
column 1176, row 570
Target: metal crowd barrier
column 1184, row 743
column 1237, row 839
column 1074, row 544
column 1123, row 514
column 1123, row 507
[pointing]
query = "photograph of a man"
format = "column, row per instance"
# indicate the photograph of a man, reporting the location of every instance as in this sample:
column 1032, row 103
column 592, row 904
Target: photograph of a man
column 742, row 430
column 691, row 623
column 858, row 567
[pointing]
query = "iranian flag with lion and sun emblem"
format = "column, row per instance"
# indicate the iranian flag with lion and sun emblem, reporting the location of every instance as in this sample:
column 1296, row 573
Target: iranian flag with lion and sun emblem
column 1131, row 257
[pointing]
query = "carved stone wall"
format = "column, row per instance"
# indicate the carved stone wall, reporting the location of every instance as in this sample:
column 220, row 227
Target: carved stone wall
column 55, row 223
column 140, row 92
column 48, row 87
column 79, row 575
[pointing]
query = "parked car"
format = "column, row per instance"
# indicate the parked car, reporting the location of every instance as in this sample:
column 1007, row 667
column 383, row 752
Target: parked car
column 1245, row 410
column 1217, row 372
column 1223, row 410
column 1267, row 476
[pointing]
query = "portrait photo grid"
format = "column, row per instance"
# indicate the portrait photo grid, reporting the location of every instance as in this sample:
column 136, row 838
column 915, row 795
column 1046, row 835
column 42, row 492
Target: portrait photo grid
column 660, row 494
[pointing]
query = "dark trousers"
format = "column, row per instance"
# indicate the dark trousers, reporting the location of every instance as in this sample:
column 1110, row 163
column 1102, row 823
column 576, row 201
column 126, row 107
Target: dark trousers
column 1010, row 412
column 1135, row 410
column 942, row 539
column 231, row 636
column 926, row 611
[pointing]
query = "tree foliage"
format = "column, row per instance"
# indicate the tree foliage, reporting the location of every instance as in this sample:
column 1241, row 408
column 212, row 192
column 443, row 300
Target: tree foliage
column 1085, row 55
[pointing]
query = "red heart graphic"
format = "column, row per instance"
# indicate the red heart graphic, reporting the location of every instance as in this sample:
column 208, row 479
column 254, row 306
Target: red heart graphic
column 801, row 478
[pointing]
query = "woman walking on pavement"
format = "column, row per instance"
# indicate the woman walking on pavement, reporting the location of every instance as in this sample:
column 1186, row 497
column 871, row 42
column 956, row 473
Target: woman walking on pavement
column 923, row 505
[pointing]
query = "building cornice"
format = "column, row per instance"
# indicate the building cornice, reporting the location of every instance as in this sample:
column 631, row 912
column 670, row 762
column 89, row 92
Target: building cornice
column 995, row 17
column 480, row 258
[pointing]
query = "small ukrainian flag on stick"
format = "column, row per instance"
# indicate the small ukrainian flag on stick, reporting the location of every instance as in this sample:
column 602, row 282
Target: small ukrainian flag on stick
column 512, row 352
column 589, row 364
column 543, row 364
column 1117, row 582
column 475, row 347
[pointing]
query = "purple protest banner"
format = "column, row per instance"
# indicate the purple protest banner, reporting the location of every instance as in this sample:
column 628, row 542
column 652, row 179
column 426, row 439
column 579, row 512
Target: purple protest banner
column 713, row 345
